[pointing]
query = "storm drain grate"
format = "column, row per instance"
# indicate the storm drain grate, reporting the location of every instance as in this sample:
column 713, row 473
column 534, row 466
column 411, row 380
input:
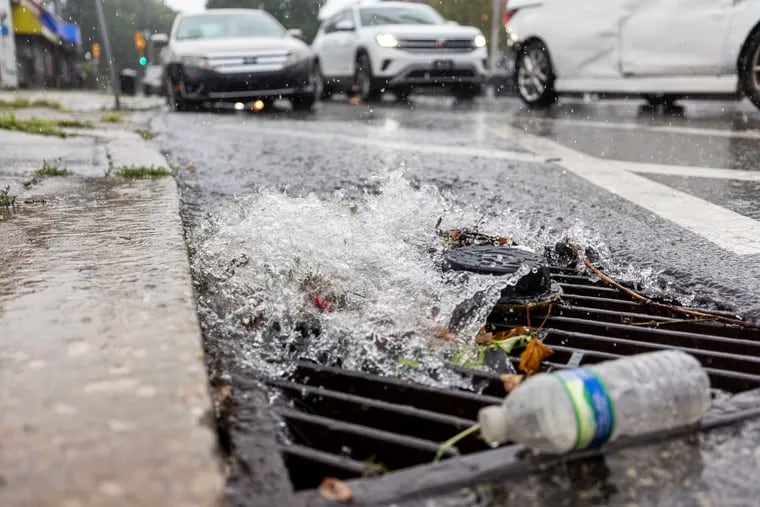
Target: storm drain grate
column 348, row 424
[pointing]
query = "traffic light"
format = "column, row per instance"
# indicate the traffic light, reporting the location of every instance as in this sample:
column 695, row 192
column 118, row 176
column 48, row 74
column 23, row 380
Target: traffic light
column 143, row 61
column 96, row 51
column 139, row 41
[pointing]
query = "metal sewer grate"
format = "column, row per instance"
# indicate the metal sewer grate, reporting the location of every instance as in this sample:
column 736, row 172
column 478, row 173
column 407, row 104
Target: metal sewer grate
column 348, row 424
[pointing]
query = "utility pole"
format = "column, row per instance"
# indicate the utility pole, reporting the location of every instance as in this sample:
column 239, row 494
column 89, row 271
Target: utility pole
column 495, row 30
column 107, row 49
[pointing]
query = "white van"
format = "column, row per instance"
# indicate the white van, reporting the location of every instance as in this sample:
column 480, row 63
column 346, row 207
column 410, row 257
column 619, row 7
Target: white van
column 662, row 50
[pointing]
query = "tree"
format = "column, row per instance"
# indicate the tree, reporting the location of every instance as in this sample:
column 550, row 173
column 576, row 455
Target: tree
column 123, row 19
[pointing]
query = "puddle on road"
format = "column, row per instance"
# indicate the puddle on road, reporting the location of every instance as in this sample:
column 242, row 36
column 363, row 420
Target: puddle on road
column 270, row 263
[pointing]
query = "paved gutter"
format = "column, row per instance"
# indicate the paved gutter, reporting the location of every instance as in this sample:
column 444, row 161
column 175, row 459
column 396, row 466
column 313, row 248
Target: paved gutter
column 103, row 387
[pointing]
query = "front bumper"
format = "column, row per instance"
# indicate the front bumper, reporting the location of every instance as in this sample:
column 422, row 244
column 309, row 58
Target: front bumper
column 399, row 67
column 201, row 84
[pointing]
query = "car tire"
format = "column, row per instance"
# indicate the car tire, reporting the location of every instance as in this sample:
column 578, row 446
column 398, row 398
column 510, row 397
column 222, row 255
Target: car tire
column 306, row 101
column 327, row 87
column 534, row 75
column 175, row 103
column 363, row 86
column 749, row 69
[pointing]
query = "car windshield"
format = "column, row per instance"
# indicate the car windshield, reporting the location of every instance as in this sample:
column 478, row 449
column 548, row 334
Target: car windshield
column 216, row 26
column 411, row 15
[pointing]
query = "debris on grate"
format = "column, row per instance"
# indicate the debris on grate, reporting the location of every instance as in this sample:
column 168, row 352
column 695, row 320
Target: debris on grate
column 347, row 424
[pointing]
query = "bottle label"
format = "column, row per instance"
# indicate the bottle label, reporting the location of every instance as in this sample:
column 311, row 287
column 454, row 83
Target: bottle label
column 594, row 410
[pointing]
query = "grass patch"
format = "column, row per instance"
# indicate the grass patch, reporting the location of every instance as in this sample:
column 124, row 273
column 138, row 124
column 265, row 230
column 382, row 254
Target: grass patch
column 40, row 126
column 20, row 103
column 50, row 170
column 143, row 172
column 75, row 124
column 112, row 117
column 146, row 134
column 6, row 199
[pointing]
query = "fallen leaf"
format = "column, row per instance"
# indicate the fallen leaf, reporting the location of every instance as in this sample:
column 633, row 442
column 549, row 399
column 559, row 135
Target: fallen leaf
column 444, row 334
column 483, row 337
column 223, row 392
column 335, row 490
column 535, row 352
column 511, row 380
column 506, row 335
column 503, row 241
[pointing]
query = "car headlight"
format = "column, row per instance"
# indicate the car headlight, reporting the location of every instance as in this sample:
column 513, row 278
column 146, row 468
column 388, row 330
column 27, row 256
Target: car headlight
column 387, row 40
column 479, row 41
column 196, row 61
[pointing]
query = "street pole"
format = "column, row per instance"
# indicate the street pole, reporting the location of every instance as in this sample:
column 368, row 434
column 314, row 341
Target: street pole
column 495, row 30
column 107, row 50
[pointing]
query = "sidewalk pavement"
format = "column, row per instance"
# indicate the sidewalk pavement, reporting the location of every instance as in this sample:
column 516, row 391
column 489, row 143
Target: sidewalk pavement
column 103, row 389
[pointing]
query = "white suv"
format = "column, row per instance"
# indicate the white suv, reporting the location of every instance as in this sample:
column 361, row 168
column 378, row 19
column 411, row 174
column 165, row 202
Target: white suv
column 366, row 49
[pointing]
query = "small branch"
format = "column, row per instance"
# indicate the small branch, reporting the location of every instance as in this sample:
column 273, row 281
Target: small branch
column 454, row 440
column 654, row 304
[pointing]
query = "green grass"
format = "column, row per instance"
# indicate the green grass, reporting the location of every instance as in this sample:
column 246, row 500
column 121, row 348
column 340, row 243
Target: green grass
column 6, row 199
column 75, row 124
column 50, row 170
column 146, row 134
column 40, row 126
column 112, row 117
column 143, row 172
column 20, row 103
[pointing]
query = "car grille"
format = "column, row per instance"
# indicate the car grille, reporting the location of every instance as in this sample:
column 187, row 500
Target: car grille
column 437, row 45
column 249, row 62
column 349, row 424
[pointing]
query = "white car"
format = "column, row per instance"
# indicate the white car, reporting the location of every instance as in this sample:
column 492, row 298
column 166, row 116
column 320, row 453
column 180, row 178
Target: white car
column 662, row 50
column 367, row 48
column 237, row 55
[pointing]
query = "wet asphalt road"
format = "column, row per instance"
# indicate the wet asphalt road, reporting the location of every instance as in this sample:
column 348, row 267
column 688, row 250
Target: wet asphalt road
column 672, row 198
column 680, row 197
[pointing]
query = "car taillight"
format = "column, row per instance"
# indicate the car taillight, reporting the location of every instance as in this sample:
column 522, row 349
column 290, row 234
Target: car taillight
column 508, row 14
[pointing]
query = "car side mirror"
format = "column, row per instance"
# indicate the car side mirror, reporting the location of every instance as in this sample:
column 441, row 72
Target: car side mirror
column 297, row 33
column 345, row 25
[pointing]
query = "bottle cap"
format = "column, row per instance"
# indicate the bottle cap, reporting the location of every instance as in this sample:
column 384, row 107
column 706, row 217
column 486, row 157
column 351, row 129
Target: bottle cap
column 493, row 424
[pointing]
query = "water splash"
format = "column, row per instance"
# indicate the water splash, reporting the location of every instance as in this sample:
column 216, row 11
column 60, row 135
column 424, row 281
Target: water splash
column 354, row 280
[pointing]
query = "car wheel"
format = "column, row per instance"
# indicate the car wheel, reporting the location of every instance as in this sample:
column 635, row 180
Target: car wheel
column 749, row 69
column 327, row 88
column 363, row 86
column 305, row 101
column 175, row 102
column 535, row 75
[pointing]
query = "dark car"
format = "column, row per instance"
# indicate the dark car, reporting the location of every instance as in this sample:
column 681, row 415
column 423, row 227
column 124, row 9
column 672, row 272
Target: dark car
column 237, row 55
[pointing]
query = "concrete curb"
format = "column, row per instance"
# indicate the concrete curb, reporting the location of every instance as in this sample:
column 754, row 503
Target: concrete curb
column 103, row 388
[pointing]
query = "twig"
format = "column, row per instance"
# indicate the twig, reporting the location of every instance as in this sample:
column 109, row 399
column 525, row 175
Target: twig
column 658, row 323
column 527, row 316
column 454, row 440
column 548, row 314
column 663, row 306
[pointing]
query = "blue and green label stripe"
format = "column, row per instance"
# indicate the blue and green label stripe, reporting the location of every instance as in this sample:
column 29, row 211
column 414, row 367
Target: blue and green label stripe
column 594, row 410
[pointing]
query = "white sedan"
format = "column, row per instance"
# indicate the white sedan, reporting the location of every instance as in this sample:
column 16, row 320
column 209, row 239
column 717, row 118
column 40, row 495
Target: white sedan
column 659, row 49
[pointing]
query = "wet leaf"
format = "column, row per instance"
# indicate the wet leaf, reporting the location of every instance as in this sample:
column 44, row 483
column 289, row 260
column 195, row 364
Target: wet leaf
column 483, row 337
column 535, row 352
column 444, row 334
column 504, row 241
column 511, row 380
column 505, row 335
column 335, row 490
column 222, row 393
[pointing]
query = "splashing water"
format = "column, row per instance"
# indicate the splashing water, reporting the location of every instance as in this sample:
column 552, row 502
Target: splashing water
column 355, row 282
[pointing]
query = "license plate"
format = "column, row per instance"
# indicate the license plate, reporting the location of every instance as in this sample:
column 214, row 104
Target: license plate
column 443, row 64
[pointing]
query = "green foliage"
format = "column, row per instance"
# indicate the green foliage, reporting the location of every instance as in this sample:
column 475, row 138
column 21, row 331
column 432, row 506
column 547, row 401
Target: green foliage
column 112, row 117
column 50, row 170
column 146, row 134
column 144, row 172
column 21, row 102
column 6, row 199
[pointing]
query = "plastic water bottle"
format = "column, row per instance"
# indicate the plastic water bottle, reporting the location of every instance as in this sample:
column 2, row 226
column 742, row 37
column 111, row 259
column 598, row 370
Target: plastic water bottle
column 586, row 407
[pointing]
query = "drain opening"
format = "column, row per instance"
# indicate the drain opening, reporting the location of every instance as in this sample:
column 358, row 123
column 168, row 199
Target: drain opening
column 349, row 424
